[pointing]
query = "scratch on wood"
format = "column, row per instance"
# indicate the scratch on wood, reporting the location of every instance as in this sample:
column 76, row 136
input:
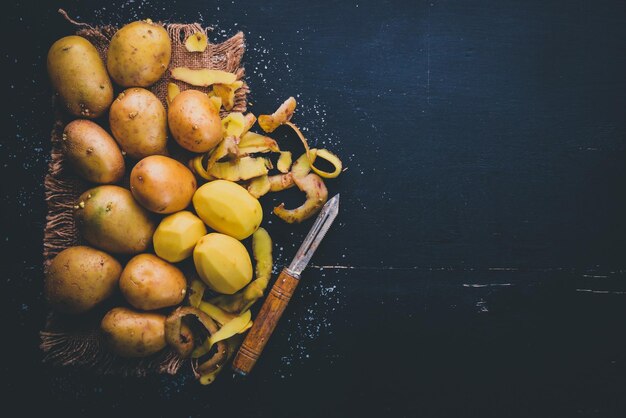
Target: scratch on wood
column 486, row 284
column 602, row 292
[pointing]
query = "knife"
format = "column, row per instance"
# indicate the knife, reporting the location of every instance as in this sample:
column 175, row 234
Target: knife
column 281, row 292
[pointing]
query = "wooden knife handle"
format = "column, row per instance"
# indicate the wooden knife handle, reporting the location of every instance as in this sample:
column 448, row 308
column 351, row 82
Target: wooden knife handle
column 265, row 322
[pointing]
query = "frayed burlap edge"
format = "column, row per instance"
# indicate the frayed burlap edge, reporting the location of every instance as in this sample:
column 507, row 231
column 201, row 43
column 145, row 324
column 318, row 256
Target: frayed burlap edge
column 63, row 342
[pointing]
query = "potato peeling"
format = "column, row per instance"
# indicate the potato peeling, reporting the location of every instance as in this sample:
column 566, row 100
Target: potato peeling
column 283, row 114
column 203, row 77
column 196, row 42
column 172, row 91
column 328, row 156
column 316, row 196
column 241, row 169
column 252, row 143
column 284, row 162
column 259, row 186
column 234, row 124
column 227, row 91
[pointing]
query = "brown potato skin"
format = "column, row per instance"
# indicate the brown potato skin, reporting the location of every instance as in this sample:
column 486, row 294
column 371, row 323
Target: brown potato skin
column 194, row 121
column 79, row 278
column 79, row 77
column 149, row 283
column 162, row 184
column 110, row 219
column 139, row 54
column 92, row 152
column 138, row 122
column 133, row 334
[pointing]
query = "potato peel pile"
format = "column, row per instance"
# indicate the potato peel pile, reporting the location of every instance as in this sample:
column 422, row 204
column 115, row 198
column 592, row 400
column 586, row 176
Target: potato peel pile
column 166, row 220
column 240, row 165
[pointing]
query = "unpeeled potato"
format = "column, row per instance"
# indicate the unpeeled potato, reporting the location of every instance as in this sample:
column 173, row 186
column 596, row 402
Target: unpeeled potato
column 139, row 123
column 139, row 53
column 162, row 184
column 194, row 121
column 133, row 334
column 148, row 283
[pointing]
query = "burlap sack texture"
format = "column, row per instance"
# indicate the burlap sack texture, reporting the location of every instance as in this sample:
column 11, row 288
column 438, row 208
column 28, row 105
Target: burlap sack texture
column 76, row 341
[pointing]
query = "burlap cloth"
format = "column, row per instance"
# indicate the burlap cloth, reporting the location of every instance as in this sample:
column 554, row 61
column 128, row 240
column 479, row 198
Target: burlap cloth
column 76, row 341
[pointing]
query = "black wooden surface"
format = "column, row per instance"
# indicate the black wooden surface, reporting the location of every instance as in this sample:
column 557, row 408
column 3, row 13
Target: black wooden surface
column 477, row 268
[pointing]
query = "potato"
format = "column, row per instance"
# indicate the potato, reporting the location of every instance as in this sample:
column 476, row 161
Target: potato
column 228, row 208
column 79, row 278
column 133, row 334
column 78, row 75
column 223, row 263
column 139, row 54
column 148, row 283
column 139, row 123
column 162, row 184
column 109, row 218
column 194, row 121
column 176, row 236
column 92, row 152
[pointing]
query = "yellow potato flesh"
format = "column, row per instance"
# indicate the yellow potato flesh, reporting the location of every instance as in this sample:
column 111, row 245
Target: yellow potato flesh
column 251, row 143
column 216, row 101
column 316, row 196
column 196, row 293
column 172, row 91
column 203, row 77
column 196, row 42
column 236, row 325
column 241, row 169
column 234, row 124
column 284, row 161
column 228, row 208
column 283, row 114
column 223, row 263
column 227, row 92
column 176, row 236
column 259, row 186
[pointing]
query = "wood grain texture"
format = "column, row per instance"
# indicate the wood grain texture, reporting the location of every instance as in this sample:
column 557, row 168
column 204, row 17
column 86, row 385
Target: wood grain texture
column 265, row 322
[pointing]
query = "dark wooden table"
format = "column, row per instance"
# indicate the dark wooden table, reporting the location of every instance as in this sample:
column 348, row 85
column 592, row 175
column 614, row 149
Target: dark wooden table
column 478, row 265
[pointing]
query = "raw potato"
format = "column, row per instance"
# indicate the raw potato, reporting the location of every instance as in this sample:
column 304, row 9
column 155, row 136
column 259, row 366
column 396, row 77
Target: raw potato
column 139, row 54
column 176, row 236
column 92, row 152
column 228, row 208
column 196, row 42
column 139, row 123
column 79, row 77
column 162, row 184
column 79, row 278
column 223, row 263
column 203, row 77
column 227, row 92
column 148, row 283
column 133, row 334
column 194, row 121
column 109, row 218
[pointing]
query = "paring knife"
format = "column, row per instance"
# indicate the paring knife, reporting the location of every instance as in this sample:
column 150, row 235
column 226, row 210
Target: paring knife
column 281, row 292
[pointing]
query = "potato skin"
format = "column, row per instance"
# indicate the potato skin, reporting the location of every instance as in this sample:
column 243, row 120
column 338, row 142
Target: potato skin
column 79, row 278
column 109, row 218
column 92, row 152
column 79, row 77
column 194, row 121
column 162, row 184
column 133, row 334
column 139, row 123
column 139, row 54
column 148, row 283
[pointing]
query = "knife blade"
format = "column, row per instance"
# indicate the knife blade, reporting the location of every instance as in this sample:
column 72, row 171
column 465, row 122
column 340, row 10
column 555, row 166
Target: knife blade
column 282, row 291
